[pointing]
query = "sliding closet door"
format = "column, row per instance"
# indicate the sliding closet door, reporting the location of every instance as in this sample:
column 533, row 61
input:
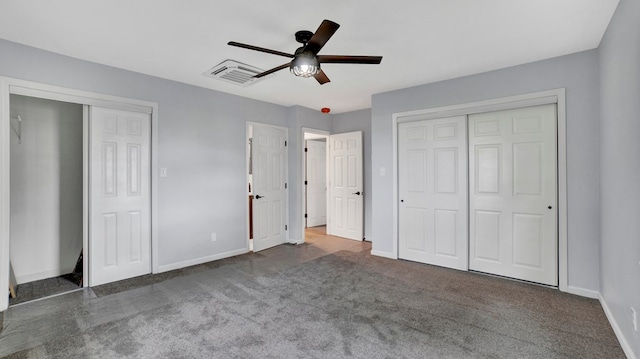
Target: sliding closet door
column 432, row 179
column 513, row 193
column 120, row 208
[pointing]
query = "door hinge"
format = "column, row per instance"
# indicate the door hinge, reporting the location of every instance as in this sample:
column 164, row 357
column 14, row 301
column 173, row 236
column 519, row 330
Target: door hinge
column 305, row 183
column 285, row 185
column 305, row 149
column 285, row 227
column 285, row 143
column 305, row 215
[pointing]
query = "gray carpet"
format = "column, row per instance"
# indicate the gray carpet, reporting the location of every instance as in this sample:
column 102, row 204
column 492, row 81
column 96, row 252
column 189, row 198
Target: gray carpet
column 345, row 305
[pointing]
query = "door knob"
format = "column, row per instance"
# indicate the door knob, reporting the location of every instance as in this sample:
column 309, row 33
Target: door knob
column 357, row 193
column 549, row 207
column 259, row 196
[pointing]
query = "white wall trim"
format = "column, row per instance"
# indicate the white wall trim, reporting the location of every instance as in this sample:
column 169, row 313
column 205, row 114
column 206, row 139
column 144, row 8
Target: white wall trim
column 583, row 292
column 40, row 90
column 56, row 93
column 626, row 347
column 384, row 254
column 85, row 191
column 296, row 241
column 563, row 216
column 301, row 192
column 196, row 261
column 5, row 189
column 556, row 96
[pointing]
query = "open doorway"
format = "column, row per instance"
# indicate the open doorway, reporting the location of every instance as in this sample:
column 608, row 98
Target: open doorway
column 46, row 191
column 315, row 181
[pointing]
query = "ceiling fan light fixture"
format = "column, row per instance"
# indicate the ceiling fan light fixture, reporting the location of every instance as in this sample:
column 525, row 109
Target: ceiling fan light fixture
column 305, row 66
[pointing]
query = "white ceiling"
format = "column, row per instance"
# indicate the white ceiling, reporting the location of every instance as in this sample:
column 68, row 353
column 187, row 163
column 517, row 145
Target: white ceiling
column 421, row 41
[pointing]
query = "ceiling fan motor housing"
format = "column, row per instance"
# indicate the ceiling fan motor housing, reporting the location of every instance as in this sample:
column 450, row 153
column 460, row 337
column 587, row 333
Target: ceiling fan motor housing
column 303, row 36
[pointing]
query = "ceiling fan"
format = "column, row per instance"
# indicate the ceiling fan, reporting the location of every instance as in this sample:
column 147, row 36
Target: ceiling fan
column 306, row 61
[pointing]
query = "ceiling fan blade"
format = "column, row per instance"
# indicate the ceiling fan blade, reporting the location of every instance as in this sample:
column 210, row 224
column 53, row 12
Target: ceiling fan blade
column 261, row 49
column 269, row 72
column 322, row 78
column 345, row 59
column 326, row 29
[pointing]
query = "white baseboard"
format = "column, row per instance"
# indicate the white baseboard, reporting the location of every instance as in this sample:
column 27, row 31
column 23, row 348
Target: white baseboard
column 295, row 241
column 583, row 292
column 193, row 262
column 626, row 347
column 383, row 254
column 31, row 277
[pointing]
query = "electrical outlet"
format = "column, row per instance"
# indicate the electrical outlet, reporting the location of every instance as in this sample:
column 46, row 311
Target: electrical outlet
column 634, row 319
column 213, row 237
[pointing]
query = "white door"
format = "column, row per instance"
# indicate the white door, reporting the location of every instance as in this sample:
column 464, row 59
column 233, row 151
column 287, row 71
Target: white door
column 316, row 182
column 120, row 201
column 432, row 181
column 346, row 191
column 269, row 186
column 512, row 185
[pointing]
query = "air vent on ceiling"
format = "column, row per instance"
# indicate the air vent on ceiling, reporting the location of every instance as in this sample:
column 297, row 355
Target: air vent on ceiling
column 234, row 72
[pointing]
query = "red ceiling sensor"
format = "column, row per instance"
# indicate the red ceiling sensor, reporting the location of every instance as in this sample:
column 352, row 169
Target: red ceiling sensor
column 325, row 110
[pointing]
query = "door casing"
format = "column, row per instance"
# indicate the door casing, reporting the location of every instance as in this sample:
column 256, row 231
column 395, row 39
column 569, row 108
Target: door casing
column 10, row 86
column 556, row 96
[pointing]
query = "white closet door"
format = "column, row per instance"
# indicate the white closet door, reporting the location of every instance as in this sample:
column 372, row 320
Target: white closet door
column 316, row 184
column 513, row 193
column 432, row 167
column 346, row 186
column 120, row 209
column 270, row 194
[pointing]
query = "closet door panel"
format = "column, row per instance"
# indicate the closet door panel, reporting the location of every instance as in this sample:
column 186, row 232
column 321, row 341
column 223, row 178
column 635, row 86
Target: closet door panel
column 120, row 198
column 513, row 193
column 432, row 163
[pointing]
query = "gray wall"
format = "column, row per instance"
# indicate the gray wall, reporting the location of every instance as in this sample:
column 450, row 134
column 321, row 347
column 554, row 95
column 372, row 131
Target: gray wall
column 578, row 73
column 46, row 188
column 360, row 121
column 620, row 167
column 202, row 136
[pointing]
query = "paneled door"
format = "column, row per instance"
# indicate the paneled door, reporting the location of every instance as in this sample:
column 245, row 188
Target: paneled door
column 120, row 188
column 269, row 186
column 432, row 178
column 513, row 193
column 316, row 182
column 346, row 191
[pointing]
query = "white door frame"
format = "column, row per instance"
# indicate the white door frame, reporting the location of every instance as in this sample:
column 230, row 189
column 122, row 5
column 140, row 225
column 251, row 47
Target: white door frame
column 10, row 86
column 555, row 96
column 301, row 194
column 286, row 162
